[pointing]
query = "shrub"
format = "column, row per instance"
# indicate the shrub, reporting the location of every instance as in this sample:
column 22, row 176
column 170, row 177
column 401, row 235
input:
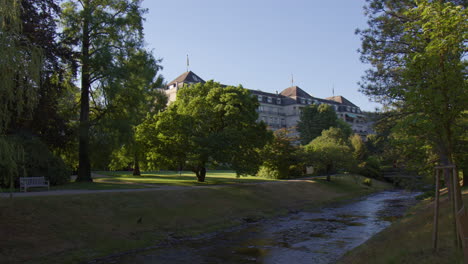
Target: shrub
column 267, row 172
column 370, row 168
column 367, row 182
column 296, row 171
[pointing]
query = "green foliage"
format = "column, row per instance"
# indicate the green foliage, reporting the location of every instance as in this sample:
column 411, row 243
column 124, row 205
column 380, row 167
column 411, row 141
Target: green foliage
column 370, row 168
column 269, row 173
column 106, row 35
column 11, row 162
column 207, row 124
column 330, row 151
column 280, row 157
column 20, row 66
column 418, row 53
column 29, row 157
column 346, row 128
column 367, row 182
column 313, row 120
column 359, row 148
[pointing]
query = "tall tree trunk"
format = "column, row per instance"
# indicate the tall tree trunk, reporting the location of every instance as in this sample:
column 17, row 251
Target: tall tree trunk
column 84, row 166
column 328, row 172
column 136, row 166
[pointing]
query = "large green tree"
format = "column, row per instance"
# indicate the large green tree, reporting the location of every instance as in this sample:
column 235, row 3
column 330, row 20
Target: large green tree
column 20, row 67
column 330, row 151
column 208, row 124
column 104, row 33
column 140, row 98
column 417, row 50
column 280, row 156
column 313, row 120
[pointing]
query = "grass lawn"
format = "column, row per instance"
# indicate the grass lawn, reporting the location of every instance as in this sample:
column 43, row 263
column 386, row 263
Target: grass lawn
column 409, row 240
column 78, row 228
column 173, row 178
column 125, row 180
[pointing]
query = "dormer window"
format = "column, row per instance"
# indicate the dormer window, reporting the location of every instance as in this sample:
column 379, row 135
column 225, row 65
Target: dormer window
column 303, row 101
column 259, row 98
column 309, row 101
column 269, row 99
column 278, row 101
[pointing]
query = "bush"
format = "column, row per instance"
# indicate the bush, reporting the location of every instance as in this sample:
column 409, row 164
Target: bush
column 267, row 172
column 367, row 182
column 296, row 171
column 370, row 168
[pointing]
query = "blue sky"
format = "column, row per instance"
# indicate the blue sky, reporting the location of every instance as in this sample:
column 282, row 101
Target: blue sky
column 260, row 43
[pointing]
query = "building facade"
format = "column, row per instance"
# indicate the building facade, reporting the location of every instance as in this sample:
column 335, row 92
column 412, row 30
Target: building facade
column 283, row 110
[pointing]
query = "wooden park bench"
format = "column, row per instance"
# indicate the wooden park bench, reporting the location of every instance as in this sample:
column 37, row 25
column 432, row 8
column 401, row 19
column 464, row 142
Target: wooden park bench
column 26, row 182
column 462, row 222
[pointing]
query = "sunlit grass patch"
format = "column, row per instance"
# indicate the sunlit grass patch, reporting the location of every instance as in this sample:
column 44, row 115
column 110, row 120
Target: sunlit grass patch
column 184, row 178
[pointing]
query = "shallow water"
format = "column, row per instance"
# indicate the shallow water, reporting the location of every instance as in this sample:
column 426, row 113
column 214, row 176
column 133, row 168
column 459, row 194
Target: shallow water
column 304, row 237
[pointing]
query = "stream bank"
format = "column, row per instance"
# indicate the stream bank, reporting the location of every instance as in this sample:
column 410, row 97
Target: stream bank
column 302, row 237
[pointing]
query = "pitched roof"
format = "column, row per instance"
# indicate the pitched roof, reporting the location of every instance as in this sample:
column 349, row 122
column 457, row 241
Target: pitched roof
column 295, row 91
column 187, row 77
column 341, row 100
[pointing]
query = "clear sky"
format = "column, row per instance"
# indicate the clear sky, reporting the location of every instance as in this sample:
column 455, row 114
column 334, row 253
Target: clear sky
column 260, row 43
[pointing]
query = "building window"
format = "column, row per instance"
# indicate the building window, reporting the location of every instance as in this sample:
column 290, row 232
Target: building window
column 260, row 108
column 278, row 101
column 303, row 101
column 269, row 99
column 259, row 98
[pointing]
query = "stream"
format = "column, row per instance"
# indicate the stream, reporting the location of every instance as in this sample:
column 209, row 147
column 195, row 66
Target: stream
column 304, row 237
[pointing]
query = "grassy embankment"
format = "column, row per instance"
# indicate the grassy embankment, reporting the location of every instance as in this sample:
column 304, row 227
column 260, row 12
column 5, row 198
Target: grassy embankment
column 409, row 240
column 71, row 229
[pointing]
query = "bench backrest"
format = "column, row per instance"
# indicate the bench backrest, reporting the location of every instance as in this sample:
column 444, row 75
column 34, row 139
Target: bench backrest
column 32, row 180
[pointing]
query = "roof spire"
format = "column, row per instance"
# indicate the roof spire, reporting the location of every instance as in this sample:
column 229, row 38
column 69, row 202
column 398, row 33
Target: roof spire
column 333, row 89
column 188, row 63
column 292, row 80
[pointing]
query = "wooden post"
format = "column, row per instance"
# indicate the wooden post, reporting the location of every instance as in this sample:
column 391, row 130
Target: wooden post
column 436, row 211
column 458, row 204
column 455, row 187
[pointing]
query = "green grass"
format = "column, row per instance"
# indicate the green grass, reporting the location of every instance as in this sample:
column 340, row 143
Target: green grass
column 185, row 178
column 77, row 228
column 409, row 240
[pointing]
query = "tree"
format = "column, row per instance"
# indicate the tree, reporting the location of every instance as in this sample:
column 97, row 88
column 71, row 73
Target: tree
column 418, row 54
column 140, row 98
column 20, row 67
column 313, row 120
column 329, row 151
column 279, row 156
column 417, row 51
column 54, row 108
column 208, row 124
column 358, row 147
column 105, row 33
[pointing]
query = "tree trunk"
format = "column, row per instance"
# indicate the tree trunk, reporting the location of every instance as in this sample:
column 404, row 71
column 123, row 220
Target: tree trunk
column 200, row 172
column 136, row 166
column 84, row 166
column 465, row 177
column 328, row 172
